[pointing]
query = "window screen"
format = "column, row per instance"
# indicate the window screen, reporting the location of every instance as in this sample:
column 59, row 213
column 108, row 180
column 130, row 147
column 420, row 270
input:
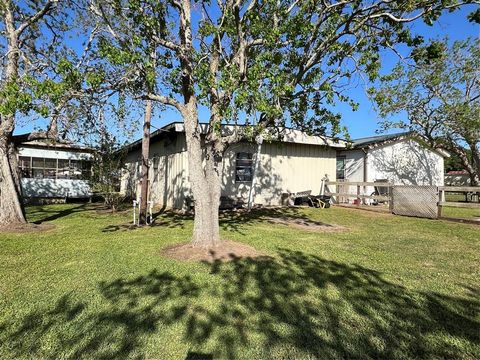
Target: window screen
column 341, row 168
column 46, row 168
column 24, row 163
column 244, row 167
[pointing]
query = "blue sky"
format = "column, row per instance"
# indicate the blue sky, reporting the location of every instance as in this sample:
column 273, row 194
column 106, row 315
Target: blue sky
column 455, row 26
column 364, row 121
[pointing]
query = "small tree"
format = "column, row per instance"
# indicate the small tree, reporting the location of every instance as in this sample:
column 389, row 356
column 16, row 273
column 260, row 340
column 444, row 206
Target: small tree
column 439, row 89
column 107, row 170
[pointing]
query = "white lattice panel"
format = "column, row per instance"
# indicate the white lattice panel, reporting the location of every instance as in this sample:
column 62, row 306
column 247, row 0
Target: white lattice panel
column 418, row 201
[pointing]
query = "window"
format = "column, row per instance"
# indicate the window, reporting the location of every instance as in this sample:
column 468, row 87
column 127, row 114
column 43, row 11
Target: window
column 341, row 167
column 63, row 170
column 86, row 169
column 80, row 169
column 24, row 163
column 244, row 167
column 50, row 171
column 46, row 168
column 38, row 165
column 75, row 169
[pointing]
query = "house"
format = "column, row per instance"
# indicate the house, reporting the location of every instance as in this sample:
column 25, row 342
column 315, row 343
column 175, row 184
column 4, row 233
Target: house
column 54, row 171
column 457, row 178
column 293, row 163
column 398, row 158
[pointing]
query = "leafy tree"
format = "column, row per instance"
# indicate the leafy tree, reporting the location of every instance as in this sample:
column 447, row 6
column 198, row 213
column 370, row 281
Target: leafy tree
column 440, row 92
column 454, row 163
column 274, row 62
column 40, row 77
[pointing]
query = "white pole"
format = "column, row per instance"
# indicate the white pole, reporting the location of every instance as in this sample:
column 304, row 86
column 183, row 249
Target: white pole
column 134, row 211
column 149, row 217
column 251, row 194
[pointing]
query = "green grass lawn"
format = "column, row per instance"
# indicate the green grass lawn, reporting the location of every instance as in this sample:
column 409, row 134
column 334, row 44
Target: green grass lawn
column 388, row 287
column 459, row 213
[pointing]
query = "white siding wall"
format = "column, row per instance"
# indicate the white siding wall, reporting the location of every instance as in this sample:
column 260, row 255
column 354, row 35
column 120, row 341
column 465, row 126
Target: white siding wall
column 457, row 180
column 406, row 162
column 283, row 168
column 55, row 188
column 354, row 163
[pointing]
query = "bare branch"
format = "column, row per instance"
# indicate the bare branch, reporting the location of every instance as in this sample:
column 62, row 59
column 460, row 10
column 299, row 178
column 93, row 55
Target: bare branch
column 166, row 100
column 37, row 16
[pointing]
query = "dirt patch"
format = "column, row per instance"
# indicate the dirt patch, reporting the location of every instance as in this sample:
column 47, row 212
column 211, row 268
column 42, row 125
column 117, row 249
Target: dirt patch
column 26, row 228
column 368, row 210
column 226, row 251
column 305, row 224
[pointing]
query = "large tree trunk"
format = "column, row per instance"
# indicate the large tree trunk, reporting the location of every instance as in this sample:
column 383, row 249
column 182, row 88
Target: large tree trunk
column 202, row 162
column 145, row 162
column 204, row 178
column 475, row 175
column 11, row 206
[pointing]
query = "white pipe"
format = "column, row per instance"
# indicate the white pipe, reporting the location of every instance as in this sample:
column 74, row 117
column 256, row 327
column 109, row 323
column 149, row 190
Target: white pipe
column 149, row 219
column 134, row 212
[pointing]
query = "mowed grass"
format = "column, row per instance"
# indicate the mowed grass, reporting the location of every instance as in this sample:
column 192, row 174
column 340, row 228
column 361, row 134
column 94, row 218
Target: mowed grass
column 386, row 287
column 468, row 213
column 461, row 213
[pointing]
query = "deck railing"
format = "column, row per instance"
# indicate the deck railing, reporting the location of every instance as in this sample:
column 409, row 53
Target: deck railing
column 359, row 196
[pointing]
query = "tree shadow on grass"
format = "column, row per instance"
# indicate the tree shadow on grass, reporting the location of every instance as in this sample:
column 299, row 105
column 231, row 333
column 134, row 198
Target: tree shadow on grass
column 229, row 220
column 235, row 220
column 162, row 218
column 41, row 214
column 292, row 306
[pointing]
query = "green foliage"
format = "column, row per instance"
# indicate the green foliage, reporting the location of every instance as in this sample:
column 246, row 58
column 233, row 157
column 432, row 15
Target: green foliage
column 454, row 163
column 430, row 53
column 107, row 170
column 440, row 94
column 305, row 58
column 13, row 99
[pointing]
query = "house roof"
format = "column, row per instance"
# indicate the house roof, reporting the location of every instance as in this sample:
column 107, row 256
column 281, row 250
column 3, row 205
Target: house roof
column 57, row 145
column 372, row 141
column 457, row 172
column 287, row 135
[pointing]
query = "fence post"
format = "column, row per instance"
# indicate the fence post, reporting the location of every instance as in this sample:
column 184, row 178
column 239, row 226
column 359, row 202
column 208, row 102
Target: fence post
column 440, row 199
column 358, row 195
column 390, row 198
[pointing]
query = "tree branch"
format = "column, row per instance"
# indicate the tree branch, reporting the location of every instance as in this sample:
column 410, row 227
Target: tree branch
column 166, row 100
column 37, row 16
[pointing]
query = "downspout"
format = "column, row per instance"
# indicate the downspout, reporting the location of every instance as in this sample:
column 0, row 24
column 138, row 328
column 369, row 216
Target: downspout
column 251, row 194
column 365, row 171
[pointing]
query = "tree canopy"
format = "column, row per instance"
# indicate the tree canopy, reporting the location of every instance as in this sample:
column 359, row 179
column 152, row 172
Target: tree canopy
column 439, row 91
